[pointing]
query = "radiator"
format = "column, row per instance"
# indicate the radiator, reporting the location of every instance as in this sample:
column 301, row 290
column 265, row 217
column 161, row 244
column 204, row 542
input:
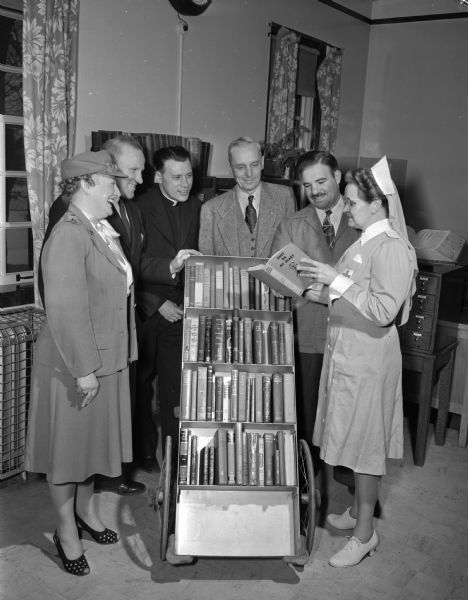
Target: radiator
column 18, row 331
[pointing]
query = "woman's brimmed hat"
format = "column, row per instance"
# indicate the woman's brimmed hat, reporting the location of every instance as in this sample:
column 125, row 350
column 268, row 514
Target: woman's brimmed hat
column 88, row 163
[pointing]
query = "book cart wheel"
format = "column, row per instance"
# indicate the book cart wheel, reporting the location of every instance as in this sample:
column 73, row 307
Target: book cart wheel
column 163, row 498
column 307, row 494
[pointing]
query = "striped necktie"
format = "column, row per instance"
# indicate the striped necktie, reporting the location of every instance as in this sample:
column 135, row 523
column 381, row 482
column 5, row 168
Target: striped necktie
column 251, row 214
column 328, row 230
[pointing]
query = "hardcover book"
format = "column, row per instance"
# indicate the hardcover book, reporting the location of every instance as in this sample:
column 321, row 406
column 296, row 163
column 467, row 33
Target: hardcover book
column 280, row 272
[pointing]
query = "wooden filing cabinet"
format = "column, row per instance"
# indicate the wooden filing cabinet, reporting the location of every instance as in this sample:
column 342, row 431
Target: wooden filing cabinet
column 438, row 295
column 419, row 332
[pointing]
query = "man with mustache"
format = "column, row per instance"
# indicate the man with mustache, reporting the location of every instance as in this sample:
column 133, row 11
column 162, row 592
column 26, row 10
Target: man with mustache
column 321, row 230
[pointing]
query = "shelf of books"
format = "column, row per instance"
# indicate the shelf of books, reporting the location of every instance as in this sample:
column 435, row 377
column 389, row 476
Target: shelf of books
column 237, row 480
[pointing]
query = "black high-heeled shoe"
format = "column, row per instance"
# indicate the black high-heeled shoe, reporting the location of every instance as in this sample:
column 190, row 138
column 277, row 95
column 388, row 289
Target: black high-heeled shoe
column 77, row 566
column 101, row 537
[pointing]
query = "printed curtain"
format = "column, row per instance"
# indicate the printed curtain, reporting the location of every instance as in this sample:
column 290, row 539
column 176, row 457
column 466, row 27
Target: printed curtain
column 50, row 58
column 282, row 99
column 328, row 83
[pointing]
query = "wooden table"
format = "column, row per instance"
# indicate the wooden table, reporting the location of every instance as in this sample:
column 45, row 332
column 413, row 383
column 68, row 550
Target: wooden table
column 438, row 363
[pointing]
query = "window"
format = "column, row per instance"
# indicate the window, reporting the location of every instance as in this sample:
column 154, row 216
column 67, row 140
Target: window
column 16, row 244
column 311, row 52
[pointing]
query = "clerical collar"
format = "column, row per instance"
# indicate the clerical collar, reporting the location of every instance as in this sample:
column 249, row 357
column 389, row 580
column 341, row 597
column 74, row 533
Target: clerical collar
column 171, row 200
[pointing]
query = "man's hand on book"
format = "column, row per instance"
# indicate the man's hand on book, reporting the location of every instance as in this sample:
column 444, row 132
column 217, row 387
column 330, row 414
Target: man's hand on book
column 319, row 272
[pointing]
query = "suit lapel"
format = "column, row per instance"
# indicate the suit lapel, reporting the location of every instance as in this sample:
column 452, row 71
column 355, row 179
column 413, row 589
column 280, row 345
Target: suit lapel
column 267, row 220
column 229, row 222
column 96, row 239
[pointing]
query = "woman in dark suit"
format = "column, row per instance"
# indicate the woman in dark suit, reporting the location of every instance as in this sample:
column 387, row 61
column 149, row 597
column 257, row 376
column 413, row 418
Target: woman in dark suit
column 79, row 421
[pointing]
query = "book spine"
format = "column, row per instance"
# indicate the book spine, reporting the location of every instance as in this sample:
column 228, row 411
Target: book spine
column 211, row 460
column 228, row 350
column 253, row 458
column 219, row 286
column 194, row 461
column 212, row 287
column 201, row 338
column 258, row 398
column 231, row 457
column 282, row 465
column 205, row 461
column 242, row 395
column 261, row 461
column 237, row 287
column 266, row 393
column 257, row 301
column 219, row 338
column 266, row 342
column 282, row 343
column 193, row 396
column 269, row 452
column 278, row 399
column 191, row 285
column 209, row 393
column 231, row 287
column 264, row 296
column 241, row 341
column 208, row 330
column 257, row 342
column 193, row 350
column 221, row 457
column 235, row 335
column 274, row 343
column 225, row 284
column 186, row 394
column 288, row 394
column 198, row 291
column 218, row 398
column 239, row 457
column 206, row 287
column 183, row 457
column 187, row 327
column 234, row 395
column 245, row 458
column 244, row 286
column 251, row 292
column 277, row 470
column 247, row 340
column 289, row 343
column 202, row 376
column 226, row 397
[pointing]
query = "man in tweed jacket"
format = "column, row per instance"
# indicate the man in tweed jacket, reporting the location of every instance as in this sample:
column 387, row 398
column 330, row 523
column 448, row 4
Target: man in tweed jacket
column 224, row 230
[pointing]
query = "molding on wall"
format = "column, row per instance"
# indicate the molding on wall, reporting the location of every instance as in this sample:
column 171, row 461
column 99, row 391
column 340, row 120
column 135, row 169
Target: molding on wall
column 392, row 20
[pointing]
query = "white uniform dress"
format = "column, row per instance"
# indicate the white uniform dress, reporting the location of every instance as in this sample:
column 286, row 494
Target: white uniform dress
column 360, row 414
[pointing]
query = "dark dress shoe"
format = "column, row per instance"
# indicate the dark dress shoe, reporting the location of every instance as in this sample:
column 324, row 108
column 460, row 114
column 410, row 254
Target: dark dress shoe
column 129, row 487
column 150, row 465
column 125, row 487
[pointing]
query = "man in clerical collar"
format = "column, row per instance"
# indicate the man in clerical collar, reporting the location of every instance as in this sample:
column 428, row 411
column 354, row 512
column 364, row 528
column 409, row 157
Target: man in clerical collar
column 171, row 218
column 242, row 221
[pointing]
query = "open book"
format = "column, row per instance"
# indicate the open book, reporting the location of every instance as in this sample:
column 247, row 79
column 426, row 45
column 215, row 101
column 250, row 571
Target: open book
column 436, row 245
column 280, row 272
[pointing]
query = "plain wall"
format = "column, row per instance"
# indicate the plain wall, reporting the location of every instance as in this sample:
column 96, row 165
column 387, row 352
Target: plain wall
column 416, row 108
column 128, row 61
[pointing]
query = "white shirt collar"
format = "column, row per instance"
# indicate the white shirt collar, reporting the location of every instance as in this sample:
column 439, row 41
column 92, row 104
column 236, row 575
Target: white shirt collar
column 173, row 202
column 375, row 229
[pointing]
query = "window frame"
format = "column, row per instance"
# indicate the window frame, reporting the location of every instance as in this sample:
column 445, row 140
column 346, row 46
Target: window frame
column 5, row 225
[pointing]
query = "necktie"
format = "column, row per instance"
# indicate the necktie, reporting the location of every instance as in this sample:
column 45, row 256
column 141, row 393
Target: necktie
column 124, row 216
column 251, row 214
column 328, row 230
